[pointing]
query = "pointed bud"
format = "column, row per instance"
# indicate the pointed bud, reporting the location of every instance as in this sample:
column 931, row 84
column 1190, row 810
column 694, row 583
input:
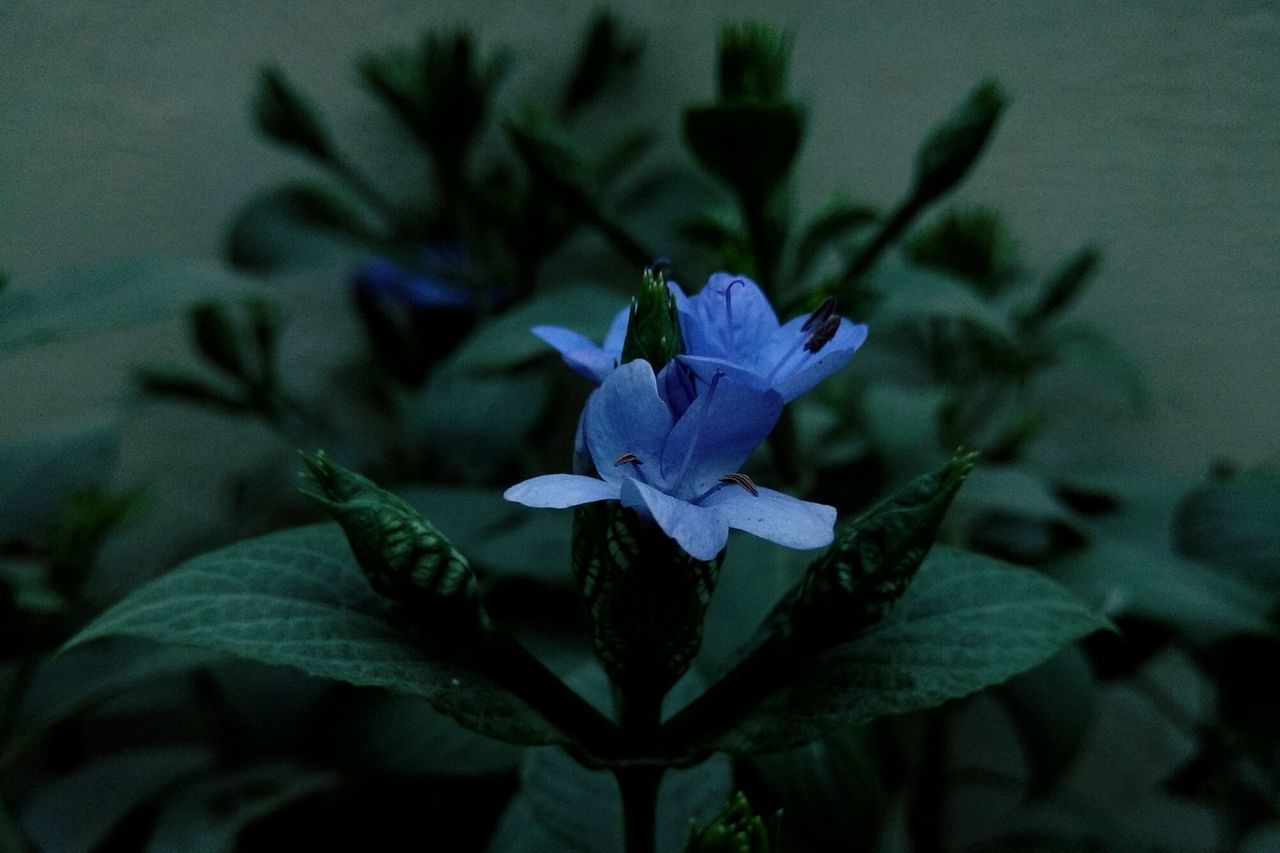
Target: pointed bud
column 287, row 117
column 752, row 63
column 406, row 559
column 734, row 829
column 216, row 338
column 954, row 146
column 653, row 332
column 872, row 562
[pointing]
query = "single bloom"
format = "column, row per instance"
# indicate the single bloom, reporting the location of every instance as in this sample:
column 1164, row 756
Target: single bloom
column 680, row 468
column 729, row 327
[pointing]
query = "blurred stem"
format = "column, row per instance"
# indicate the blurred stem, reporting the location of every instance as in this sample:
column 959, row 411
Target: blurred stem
column 764, row 240
column 865, row 258
column 928, row 800
column 365, row 188
column 638, row 786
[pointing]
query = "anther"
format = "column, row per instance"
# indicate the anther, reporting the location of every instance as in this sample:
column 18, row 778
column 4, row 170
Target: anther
column 820, row 314
column 823, row 334
column 628, row 459
column 741, row 480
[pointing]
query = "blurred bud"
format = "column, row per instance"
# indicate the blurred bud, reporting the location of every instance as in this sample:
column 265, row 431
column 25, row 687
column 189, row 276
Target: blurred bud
column 285, row 116
column 1062, row 288
column 734, row 829
column 608, row 52
column 752, row 63
column 653, row 332
column 874, row 559
column 406, row 559
column 954, row 146
column 215, row 337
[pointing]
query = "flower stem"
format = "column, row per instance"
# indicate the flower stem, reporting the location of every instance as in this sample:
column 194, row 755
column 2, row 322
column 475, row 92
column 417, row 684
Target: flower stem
column 638, row 785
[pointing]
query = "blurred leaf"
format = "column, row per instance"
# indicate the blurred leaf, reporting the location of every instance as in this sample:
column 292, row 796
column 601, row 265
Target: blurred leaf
column 207, row 816
column 954, row 146
column 179, row 384
column 1062, row 288
column 1234, row 525
column 836, row 222
column 495, row 533
column 751, row 62
column 111, row 298
column 1201, row 602
column 215, row 337
column 973, row 243
column 11, row 837
column 299, row 598
column 380, row 732
column 563, row 806
column 287, row 117
column 902, row 423
column 76, row 813
column 1051, row 707
column 299, row 225
column 720, row 231
column 474, row 423
column 1102, row 358
column 749, row 146
column 967, row 622
column 40, row 473
column 910, row 294
column 621, row 155
column 608, row 52
column 29, row 585
column 76, row 681
column 505, row 340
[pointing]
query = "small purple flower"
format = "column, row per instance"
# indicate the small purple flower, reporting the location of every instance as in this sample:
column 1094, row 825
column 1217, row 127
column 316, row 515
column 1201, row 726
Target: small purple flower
column 681, row 469
column 729, row 327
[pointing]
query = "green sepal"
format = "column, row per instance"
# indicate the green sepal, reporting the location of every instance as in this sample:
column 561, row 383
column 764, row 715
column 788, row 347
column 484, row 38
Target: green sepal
column 872, row 561
column 752, row 63
column 734, row 829
column 285, row 115
column 406, row 559
column 647, row 598
column 954, row 146
column 653, row 332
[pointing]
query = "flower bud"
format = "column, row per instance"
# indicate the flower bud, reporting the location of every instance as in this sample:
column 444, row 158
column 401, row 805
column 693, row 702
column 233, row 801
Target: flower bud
column 954, row 146
column 653, row 332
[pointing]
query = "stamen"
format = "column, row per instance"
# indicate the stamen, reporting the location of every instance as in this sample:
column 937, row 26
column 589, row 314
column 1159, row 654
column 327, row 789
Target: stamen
column 743, row 480
column 823, row 334
column 820, row 314
column 697, row 433
column 628, row 459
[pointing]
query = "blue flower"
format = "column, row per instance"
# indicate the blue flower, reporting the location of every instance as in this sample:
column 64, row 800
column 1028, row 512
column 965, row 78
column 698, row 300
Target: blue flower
column 729, row 327
column 681, row 469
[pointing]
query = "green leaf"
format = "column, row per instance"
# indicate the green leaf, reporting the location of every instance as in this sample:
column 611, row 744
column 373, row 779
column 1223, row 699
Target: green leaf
column 608, row 52
column 749, row 146
column 836, row 222
column 299, row 598
column 1234, row 525
column 209, row 815
column 952, row 148
column 300, row 225
column 216, row 337
column 966, row 622
column 110, row 298
column 505, row 341
column 973, row 243
column 1102, row 359
column 1062, row 288
column 39, row 474
column 287, row 117
column 75, row 813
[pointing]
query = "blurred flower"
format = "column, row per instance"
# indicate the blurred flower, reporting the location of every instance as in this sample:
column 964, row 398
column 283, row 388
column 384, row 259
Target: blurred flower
column 682, row 470
column 729, row 327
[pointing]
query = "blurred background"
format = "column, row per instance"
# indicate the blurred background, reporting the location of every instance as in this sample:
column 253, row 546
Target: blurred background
column 142, row 143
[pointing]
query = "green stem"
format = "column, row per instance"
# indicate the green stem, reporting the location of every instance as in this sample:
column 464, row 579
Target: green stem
column 638, row 785
column 867, row 256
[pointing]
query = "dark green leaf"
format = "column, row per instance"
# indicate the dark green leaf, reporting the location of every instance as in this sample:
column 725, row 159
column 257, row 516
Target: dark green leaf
column 749, row 146
column 1101, row 358
column 300, row 225
column 1062, row 288
column 178, row 384
column 287, row 117
column 833, row 224
column 752, row 62
column 954, row 146
column 216, row 337
column 966, row 622
column 208, row 816
column 299, row 598
column 973, row 243
column 1234, row 525
column 608, row 52
column 39, row 474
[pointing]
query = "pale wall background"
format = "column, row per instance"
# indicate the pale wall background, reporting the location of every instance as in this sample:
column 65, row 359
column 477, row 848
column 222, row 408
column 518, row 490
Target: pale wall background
column 1151, row 128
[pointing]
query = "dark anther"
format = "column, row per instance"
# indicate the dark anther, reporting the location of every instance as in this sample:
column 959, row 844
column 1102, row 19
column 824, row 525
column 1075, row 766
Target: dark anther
column 628, row 459
column 823, row 334
column 742, row 480
column 820, row 314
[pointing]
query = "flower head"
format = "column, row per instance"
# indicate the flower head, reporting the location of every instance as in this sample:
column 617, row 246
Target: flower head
column 676, row 460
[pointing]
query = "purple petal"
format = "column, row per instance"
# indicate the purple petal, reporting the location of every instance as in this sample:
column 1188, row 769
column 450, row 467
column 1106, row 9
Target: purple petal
column 717, row 434
column 771, row 515
column 626, row 415
column 617, row 334
column 578, row 351
column 677, row 388
column 791, row 382
column 700, row 532
column 709, row 331
column 559, row 491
